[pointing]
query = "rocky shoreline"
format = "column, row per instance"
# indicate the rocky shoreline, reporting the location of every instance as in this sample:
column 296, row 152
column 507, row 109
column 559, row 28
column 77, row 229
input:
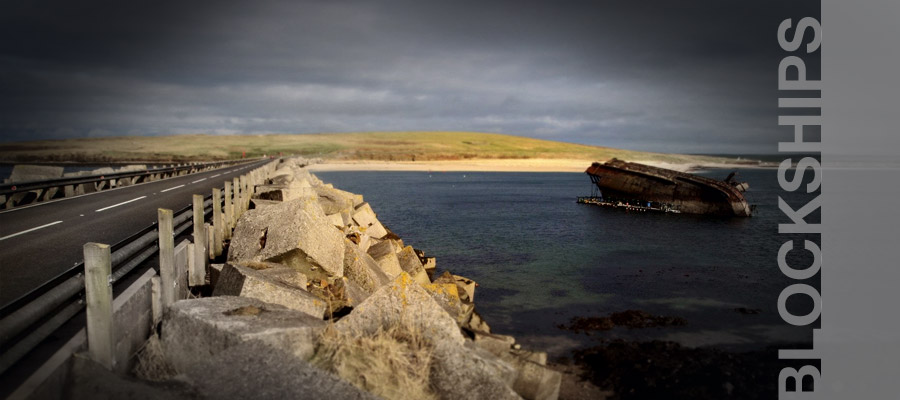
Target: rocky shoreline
column 318, row 298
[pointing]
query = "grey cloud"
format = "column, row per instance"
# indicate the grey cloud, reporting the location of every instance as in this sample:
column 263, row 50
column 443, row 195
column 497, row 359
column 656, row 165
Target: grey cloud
column 649, row 76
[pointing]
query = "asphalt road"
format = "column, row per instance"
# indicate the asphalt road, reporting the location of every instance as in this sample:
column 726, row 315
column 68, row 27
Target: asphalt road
column 39, row 242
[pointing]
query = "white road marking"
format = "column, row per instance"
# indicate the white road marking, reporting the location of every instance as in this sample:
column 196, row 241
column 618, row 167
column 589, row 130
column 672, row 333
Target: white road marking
column 116, row 205
column 171, row 188
column 29, row 230
column 199, row 180
column 216, row 175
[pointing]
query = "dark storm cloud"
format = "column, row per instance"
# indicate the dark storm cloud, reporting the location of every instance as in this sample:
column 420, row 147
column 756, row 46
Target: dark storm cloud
column 644, row 75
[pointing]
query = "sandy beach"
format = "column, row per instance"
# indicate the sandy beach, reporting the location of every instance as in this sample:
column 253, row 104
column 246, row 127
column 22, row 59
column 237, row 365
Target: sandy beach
column 494, row 165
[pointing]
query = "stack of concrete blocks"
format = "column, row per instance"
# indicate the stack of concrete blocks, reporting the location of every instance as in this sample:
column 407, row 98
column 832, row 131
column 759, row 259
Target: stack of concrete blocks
column 307, row 253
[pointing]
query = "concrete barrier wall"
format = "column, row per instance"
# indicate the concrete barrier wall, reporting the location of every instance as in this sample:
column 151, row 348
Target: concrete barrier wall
column 132, row 316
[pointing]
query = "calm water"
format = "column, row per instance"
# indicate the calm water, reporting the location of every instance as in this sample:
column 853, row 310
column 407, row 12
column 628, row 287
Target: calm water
column 541, row 259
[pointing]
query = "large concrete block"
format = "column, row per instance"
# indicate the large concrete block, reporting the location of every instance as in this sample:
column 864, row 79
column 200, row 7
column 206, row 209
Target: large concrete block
column 367, row 221
column 239, row 348
column 385, row 254
column 448, row 297
column 26, row 173
column 534, row 381
column 103, row 171
column 212, row 325
column 336, row 220
column 286, row 192
column 271, row 283
column 409, row 263
column 334, row 200
column 477, row 323
column 294, row 233
column 402, row 301
column 362, row 269
column 466, row 286
column 468, row 372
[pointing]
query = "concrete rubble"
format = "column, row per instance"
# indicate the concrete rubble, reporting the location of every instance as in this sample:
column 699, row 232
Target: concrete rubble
column 308, row 256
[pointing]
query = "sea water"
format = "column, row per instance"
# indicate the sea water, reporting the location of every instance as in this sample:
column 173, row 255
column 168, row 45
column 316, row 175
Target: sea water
column 541, row 259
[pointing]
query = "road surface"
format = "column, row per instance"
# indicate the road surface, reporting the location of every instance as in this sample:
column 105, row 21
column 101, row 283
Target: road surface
column 39, row 242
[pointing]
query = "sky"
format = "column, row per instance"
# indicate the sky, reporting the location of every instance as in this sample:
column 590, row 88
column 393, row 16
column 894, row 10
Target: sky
column 656, row 75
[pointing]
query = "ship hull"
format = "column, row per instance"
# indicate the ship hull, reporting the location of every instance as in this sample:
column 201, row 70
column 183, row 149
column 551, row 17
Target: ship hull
column 685, row 192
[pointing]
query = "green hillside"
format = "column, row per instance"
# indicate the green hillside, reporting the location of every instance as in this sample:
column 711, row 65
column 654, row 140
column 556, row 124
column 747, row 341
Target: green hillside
column 387, row 146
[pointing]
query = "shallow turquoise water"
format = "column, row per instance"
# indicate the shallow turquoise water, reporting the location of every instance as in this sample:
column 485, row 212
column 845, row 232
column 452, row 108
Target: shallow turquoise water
column 541, row 259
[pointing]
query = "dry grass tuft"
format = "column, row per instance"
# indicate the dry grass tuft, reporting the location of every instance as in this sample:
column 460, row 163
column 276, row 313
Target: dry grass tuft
column 391, row 364
column 151, row 363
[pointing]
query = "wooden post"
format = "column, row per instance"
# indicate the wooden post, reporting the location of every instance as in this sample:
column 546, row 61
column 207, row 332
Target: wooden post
column 210, row 239
column 166, row 257
column 197, row 274
column 98, row 293
column 218, row 229
column 250, row 187
column 245, row 195
column 184, row 257
column 237, row 201
column 229, row 211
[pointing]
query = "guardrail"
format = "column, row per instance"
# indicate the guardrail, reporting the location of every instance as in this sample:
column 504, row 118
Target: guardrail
column 32, row 318
column 16, row 194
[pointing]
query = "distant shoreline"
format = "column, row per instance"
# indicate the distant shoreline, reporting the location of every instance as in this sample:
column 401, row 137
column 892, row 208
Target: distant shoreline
column 500, row 165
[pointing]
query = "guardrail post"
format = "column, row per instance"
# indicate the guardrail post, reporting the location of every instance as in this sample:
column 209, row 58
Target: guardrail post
column 166, row 257
column 250, row 191
column 245, row 197
column 237, row 201
column 98, row 293
column 229, row 211
column 197, row 274
column 210, row 240
column 218, row 229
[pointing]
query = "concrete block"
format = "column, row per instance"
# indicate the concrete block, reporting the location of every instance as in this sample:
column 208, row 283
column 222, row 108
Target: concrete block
column 409, row 263
column 497, row 345
column 103, row 171
column 402, row 301
column 334, row 200
column 238, row 348
column 260, row 203
column 271, row 283
column 213, row 324
column 26, row 173
column 362, row 269
column 538, row 357
column 477, row 323
column 467, row 372
column 534, row 381
column 295, row 233
column 367, row 221
column 385, row 254
column 336, row 220
column 466, row 285
column 288, row 192
column 447, row 296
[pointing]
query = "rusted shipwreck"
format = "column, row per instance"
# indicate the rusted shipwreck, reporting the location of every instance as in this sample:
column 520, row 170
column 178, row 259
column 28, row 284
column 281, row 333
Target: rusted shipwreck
column 622, row 182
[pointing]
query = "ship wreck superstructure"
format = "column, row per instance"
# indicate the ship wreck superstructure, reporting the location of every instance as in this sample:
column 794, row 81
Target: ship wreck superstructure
column 654, row 188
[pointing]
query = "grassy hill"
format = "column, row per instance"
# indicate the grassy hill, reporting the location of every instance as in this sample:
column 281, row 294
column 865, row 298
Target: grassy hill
column 387, row 146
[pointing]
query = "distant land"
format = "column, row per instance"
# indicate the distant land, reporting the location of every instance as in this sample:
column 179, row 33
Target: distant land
column 382, row 148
